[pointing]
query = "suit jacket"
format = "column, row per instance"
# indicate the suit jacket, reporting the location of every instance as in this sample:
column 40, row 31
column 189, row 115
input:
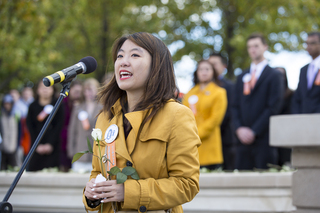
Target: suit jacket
column 226, row 126
column 255, row 109
column 305, row 100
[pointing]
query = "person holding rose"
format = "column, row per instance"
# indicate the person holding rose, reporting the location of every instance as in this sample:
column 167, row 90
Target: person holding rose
column 150, row 130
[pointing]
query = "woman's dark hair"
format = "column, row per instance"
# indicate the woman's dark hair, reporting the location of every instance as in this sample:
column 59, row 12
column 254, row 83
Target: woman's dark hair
column 76, row 82
column 55, row 91
column 160, row 85
column 215, row 78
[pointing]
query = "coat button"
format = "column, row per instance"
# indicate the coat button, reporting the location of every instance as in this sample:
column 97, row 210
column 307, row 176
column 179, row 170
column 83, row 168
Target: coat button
column 143, row 209
column 129, row 163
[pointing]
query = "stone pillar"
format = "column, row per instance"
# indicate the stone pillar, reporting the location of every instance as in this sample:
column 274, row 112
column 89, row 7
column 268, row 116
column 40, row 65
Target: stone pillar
column 302, row 134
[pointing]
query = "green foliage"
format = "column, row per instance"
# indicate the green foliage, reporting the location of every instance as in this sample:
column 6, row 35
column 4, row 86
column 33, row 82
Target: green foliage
column 89, row 146
column 135, row 176
column 123, row 175
column 114, row 170
column 78, row 155
column 38, row 38
column 121, row 178
column 128, row 170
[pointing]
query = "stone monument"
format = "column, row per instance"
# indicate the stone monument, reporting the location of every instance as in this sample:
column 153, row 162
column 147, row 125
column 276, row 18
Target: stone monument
column 302, row 134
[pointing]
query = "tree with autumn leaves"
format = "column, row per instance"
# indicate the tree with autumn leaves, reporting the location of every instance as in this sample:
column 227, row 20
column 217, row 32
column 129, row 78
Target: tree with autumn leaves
column 39, row 37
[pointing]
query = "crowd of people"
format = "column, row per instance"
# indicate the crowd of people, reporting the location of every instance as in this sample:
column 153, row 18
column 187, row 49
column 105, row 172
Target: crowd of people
column 258, row 93
column 22, row 119
column 232, row 117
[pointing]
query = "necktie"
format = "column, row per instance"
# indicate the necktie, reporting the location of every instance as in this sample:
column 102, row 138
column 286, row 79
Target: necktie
column 317, row 80
column 253, row 79
column 310, row 76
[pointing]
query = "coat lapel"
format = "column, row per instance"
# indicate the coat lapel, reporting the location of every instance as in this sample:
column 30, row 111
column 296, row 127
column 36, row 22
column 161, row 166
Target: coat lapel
column 135, row 119
column 121, row 146
column 304, row 81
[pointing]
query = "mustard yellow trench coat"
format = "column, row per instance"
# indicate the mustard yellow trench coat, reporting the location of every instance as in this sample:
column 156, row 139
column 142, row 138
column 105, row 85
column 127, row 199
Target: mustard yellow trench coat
column 165, row 157
column 209, row 113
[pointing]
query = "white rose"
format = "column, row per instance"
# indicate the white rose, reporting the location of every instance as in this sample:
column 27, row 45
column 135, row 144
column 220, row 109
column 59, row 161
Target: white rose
column 96, row 134
column 100, row 178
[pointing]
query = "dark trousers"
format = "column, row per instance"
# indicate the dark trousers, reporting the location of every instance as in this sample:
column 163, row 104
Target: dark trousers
column 211, row 167
column 7, row 160
column 255, row 156
column 284, row 156
column 228, row 152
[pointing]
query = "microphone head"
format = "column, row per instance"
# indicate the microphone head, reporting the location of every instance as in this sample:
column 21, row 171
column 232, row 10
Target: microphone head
column 91, row 64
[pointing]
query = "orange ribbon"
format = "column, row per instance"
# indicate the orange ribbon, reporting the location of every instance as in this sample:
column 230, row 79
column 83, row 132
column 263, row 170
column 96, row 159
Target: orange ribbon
column 246, row 88
column 317, row 80
column 42, row 115
column 111, row 154
column 253, row 80
column 85, row 124
column 193, row 108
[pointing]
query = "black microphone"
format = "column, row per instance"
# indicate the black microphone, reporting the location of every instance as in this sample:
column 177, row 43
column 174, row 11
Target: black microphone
column 86, row 65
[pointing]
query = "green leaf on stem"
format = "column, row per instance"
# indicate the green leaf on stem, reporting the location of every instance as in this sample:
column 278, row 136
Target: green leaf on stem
column 114, row 170
column 128, row 170
column 121, row 178
column 89, row 146
column 135, row 176
column 78, row 155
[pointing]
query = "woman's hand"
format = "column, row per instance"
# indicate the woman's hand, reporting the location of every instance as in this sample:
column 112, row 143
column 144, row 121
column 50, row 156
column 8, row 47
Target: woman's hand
column 108, row 191
column 88, row 192
column 44, row 149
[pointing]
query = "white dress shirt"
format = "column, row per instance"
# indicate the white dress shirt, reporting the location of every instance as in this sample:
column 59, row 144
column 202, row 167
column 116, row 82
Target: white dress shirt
column 258, row 68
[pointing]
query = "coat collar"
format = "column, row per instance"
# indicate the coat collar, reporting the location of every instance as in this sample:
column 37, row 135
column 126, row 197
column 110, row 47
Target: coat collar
column 116, row 108
column 210, row 86
column 123, row 147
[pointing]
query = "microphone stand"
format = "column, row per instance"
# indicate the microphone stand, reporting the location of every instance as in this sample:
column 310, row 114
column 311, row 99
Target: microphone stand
column 5, row 206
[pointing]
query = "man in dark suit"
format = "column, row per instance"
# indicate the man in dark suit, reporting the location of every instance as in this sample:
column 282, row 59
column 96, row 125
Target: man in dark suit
column 306, row 98
column 257, row 95
column 220, row 65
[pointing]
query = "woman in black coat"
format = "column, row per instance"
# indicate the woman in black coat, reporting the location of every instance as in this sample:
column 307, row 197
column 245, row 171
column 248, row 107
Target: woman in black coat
column 48, row 150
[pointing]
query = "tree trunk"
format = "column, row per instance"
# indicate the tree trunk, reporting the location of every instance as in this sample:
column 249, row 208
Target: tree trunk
column 100, row 74
column 230, row 19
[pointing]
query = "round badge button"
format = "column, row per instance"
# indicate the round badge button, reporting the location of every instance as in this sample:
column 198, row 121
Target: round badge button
column 48, row 108
column 83, row 115
column 193, row 99
column 246, row 78
column 111, row 133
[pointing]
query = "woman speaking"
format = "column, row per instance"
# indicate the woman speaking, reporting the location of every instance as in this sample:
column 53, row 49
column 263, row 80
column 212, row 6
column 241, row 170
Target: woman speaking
column 155, row 134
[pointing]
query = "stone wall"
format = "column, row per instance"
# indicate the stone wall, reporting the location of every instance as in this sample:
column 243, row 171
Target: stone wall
column 302, row 134
column 219, row 192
